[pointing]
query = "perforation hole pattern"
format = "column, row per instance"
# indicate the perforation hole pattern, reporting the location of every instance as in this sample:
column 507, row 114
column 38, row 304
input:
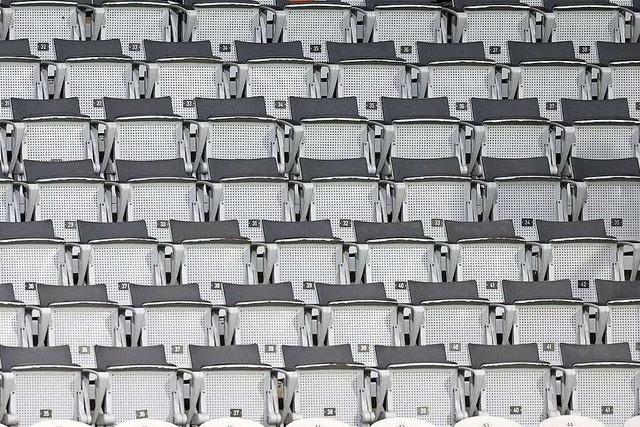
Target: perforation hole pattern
column 240, row 140
column 64, row 140
column 603, row 142
column 11, row 322
column 418, row 141
column 96, row 80
column 624, row 326
column 369, row 83
column 227, row 390
column 550, row 84
column 405, row 28
column 134, row 25
column 42, row 24
column 584, row 28
column 17, row 80
column 303, row 25
column 511, row 142
column 610, row 200
column 495, row 28
column 222, row 26
column 184, row 82
column 459, row 84
column 277, row 82
column 150, row 391
column 624, row 85
column 146, row 141
column 333, row 141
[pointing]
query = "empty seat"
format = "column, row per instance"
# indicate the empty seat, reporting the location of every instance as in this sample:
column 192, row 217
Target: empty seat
column 342, row 191
column 136, row 383
column 249, row 191
column 15, row 330
column 405, row 22
column 488, row 253
column 223, row 23
column 546, row 314
column 50, row 130
column 619, row 72
column 358, row 315
column 608, row 189
column 209, row 254
column 325, row 382
column 231, row 381
column 494, row 23
column 451, row 314
column 266, row 315
column 314, row 25
column 418, row 382
column 303, row 253
column 118, row 255
column 143, row 130
column 79, row 317
column 40, row 383
column 431, row 191
column 458, row 72
column 598, row 381
column 528, row 400
column 63, row 192
column 276, row 71
column 393, row 253
column 174, row 316
column 523, row 191
column 20, row 74
column 584, row 23
column 420, row 129
column 91, row 71
column 30, row 253
column 156, row 192
column 183, row 71
column 548, row 72
column 329, row 129
column 367, row 71
column 580, row 252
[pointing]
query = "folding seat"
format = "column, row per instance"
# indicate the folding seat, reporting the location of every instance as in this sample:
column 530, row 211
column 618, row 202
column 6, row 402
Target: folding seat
column 600, row 382
column 63, row 192
column 360, row 316
column 237, row 128
column 487, row 252
column 156, row 192
column 458, row 72
column 303, row 253
column 578, row 251
column 329, row 129
column 201, row 249
column 117, row 255
column 314, row 25
column 342, row 191
column 21, row 75
column 266, row 315
column 136, row 383
column 31, row 254
column 528, row 400
column 79, row 317
column 133, row 22
column 91, row 71
column 49, row 130
column 584, row 23
column 15, row 330
column 608, row 190
column 393, row 253
column 599, row 129
column 222, row 24
column 451, row 314
column 418, row 382
column 546, row 314
column 548, row 72
column 40, row 383
column 143, row 130
column 405, row 22
column 523, row 191
column 184, row 72
column 619, row 73
column 617, row 315
column 479, row 21
column 41, row 23
column 231, row 381
column 511, row 129
column 250, row 191
column 431, row 191
column 174, row 316
column 367, row 71
column 420, row 129
column 325, row 382
column 275, row 71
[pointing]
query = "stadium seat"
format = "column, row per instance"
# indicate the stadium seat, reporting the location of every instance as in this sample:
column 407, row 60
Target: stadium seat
column 618, row 73
column 528, row 400
column 15, row 329
column 393, row 253
column 21, row 74
column 418, row 386
column 546, row 314
column 566, row 420
column 266, row 315
column 325, row 382
column 486, row 421
column 450, row 314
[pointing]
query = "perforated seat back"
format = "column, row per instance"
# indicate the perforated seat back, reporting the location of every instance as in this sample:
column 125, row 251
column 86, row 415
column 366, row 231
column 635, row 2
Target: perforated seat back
column 613, row 201
column 241, row 139
column 515, row 140
column 6, row 196
column 622, row 86
column 623, row 326
column 56, row 140
column 148, row 140
column 302, row 24
column 424, row 141
column 18, row 79
column 604, row 141
column 12, row 325
column 333, row 141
